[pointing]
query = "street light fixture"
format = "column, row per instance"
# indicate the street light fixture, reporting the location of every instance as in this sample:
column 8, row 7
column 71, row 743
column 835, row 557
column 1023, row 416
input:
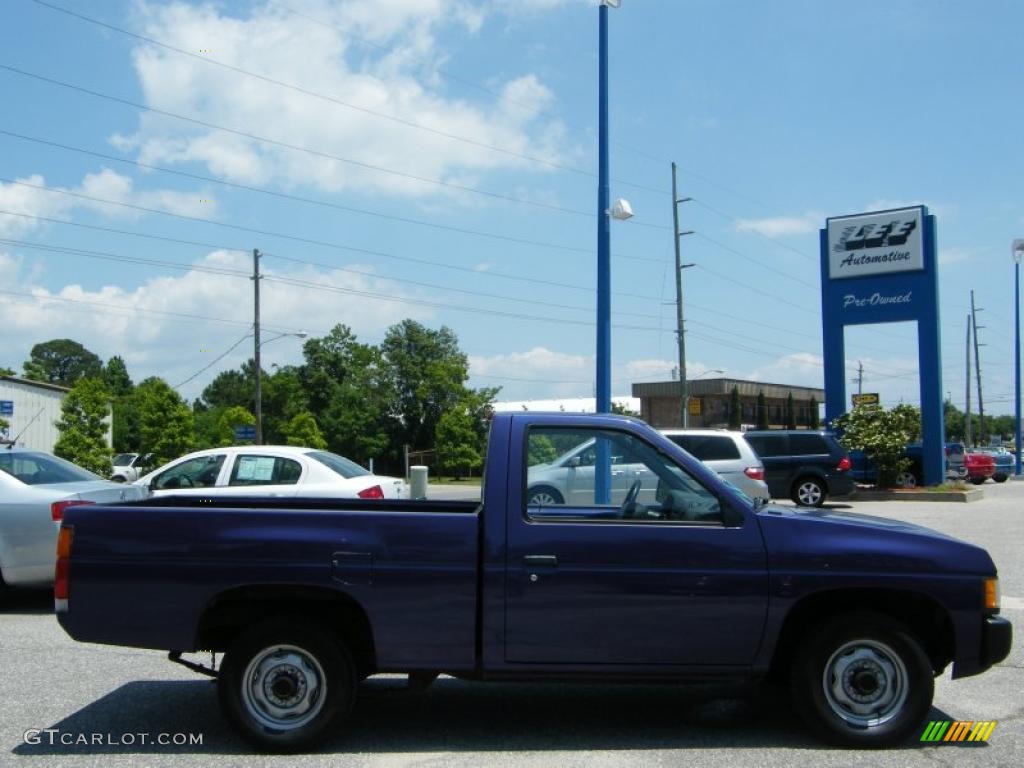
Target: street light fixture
column 1018, row 252
column 259, row 376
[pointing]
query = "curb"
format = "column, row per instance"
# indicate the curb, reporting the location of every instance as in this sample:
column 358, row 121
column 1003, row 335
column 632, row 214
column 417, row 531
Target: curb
column 971, row 494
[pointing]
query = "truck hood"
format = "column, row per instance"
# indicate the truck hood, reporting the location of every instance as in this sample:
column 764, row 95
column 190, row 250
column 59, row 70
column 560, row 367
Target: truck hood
column 833, row 541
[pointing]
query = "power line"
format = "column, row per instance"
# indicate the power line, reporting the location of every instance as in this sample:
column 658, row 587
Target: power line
column 309, row 241
column 312, row 201
column 214, row 361
column 762, row 235
column 334, row 100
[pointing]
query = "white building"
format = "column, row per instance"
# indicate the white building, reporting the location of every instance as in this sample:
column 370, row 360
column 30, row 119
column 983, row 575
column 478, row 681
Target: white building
column 32, row 409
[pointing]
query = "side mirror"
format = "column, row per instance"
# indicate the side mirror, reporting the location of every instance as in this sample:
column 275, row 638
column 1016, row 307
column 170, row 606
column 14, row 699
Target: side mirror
column 574, row 462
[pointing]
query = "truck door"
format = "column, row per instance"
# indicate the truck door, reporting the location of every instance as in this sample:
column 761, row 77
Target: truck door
column 658, row 578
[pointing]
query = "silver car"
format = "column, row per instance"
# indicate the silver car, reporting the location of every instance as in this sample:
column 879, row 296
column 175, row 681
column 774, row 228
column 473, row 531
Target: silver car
column 728, row 454
column 35, row 487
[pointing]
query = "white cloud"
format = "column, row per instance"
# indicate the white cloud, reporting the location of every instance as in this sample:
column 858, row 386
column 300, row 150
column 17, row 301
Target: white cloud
column 168, row 344
column 954, row 255
column 780, row 226
column 337, row 63
column 30, row 199
column 804, row 369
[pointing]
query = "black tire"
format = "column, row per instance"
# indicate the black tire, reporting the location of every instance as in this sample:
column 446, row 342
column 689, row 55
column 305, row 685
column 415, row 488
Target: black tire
column 863, row 656
column 118, row 479
column 978, row 480
column 1001, row 478
column 534, row 496
column 808, row 492
column 309, row 684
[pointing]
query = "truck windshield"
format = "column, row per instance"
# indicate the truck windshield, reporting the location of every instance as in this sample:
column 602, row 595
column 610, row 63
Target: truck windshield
column 344, row 467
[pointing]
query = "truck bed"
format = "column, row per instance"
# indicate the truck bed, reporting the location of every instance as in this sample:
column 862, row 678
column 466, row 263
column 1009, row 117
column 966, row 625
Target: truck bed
column 186, row 556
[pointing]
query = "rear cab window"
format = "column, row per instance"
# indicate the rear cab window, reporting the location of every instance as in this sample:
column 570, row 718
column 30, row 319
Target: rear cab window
column 707, row 447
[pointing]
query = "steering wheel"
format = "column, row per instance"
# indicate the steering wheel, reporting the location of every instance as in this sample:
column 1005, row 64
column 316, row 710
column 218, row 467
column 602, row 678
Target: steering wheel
column 628, row 502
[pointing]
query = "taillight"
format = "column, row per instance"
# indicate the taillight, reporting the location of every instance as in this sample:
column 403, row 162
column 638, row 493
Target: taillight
column 844, row 464
column 373, row 492
column 58, row 507
column 60, row 579
column 754, row 473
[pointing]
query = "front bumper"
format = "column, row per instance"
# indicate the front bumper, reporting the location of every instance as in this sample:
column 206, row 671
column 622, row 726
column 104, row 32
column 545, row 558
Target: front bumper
column 996, row 639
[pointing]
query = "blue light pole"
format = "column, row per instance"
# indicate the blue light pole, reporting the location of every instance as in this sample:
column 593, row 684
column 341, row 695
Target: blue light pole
column 1018, row 252
column 602, row 470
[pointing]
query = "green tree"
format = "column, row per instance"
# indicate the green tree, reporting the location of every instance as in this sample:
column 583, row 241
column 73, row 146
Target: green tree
column 4, row 424
column 165, row 420
column 302, row 430
column 351, row 395
column 882, row 435
column 83, row 427
column 63, row 362
column 232, row 388
column 6, row 371
column 456, row 442
column 735, row 409
column 623, row 410
column 540, row 450
column 812, row 414
column 790, row 412
column 236, row 416
column 762, row 411
column 116, row 378
column 429, row 373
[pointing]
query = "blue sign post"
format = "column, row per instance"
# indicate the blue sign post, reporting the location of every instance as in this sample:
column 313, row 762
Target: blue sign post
column 6, row 407
column 881, row 267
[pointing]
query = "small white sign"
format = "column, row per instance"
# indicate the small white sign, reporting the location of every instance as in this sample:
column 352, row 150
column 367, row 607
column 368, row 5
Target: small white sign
column 256, row 468
column 875, row 243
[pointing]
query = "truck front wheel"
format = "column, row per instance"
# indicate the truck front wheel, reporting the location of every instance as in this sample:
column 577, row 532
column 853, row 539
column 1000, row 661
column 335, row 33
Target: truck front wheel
column 285, row 683
column 862, row 680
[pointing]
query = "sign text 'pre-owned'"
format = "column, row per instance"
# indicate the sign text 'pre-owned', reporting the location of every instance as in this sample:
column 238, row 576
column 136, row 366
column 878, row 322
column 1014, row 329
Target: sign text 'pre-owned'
column 875, row 243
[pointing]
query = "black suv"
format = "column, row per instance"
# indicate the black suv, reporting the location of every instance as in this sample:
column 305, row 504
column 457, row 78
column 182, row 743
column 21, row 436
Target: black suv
column 805, row 466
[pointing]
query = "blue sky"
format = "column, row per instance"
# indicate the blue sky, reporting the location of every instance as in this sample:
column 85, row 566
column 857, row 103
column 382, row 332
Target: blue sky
column 435, row 159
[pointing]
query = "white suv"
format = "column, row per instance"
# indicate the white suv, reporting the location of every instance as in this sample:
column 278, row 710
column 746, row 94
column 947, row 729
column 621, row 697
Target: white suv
column 728, row 454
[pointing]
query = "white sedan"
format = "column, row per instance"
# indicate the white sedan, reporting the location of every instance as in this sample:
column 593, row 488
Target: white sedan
column 35, row 489
column 270, row 470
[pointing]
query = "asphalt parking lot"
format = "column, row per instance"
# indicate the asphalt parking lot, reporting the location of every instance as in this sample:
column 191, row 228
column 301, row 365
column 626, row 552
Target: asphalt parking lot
column 101, row 699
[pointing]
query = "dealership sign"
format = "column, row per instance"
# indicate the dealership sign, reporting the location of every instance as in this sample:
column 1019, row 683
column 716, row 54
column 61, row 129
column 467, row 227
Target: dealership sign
column 875, row 243
column 881, row 267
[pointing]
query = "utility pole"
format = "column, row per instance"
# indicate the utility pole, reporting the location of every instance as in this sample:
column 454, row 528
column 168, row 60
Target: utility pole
column 967, row 389
column 684, row 389
column 860, row 378
column 977, row 371
column 256, row 345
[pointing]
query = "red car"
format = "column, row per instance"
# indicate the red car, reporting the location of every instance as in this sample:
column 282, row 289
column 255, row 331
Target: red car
column 980, row 467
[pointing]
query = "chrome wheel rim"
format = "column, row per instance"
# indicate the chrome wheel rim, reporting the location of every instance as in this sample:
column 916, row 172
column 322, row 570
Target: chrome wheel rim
column 865, row 683
column 809, row 493
column 284, row 687
column 542, row 498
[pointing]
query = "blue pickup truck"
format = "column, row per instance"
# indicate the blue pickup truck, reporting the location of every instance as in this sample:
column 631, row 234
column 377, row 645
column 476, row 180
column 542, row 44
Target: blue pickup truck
column 662, row 573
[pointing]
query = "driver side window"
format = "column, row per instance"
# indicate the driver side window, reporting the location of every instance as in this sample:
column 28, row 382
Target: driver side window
column 200, row 472
column 640, row 484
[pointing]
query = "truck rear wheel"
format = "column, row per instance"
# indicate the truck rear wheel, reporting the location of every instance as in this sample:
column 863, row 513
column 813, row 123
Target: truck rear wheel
column 284, row 684
column 862, row 680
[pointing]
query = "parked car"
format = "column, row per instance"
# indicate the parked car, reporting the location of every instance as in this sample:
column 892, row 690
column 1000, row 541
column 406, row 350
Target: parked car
column 863, row 470
column 802, row 465
column 1005, row 464
column 569, row 478
column 270, row 470
column 728, row 454
column 35, row 488
column 129, row 467
column 980, row 466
